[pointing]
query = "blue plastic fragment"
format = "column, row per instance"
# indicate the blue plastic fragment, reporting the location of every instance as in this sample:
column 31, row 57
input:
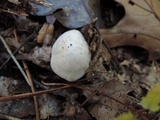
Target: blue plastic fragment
column 72, row 15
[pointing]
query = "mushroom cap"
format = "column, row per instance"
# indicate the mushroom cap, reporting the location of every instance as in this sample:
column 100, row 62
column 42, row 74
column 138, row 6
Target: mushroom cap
column 70, row 56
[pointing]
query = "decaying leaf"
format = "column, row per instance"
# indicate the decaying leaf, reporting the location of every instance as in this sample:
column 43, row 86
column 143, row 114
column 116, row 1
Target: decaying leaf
column 153, row 76
column 73, row 110
column 11, row 42
column 18, row 108
column 106, row 108
column 39, row 55
column 7, row 85
column 20, row 8
column 139, row 27
column 49, row 106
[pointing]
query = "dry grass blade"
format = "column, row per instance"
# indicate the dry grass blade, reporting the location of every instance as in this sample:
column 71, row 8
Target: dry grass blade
column 28, row 39
column 32, row 89
column 53, row 84
column 15, row 60
column 30, row 80
column 4, row 117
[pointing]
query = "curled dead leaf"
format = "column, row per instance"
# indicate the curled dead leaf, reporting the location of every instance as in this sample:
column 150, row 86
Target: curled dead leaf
column 139, row 27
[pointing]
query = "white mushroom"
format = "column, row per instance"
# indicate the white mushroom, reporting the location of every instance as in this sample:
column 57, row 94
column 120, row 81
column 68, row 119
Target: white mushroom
column 70, row 56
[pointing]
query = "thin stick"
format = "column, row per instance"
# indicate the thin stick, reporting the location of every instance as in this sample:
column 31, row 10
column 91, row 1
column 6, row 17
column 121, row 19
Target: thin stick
column 30, row 80
column 17, row 50
column 52, row 84
column 15, row 60
column 32, row 89
column 26, row 95
column 92, row 95
column 93, row 90
column 2, row 116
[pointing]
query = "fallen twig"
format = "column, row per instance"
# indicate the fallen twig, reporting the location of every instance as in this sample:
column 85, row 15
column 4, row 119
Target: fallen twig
column 30, row 80
column 15, row 60
column 25, row 41
column 26, row 95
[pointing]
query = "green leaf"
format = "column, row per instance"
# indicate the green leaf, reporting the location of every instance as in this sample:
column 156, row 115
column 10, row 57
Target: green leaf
column 126, row 116
column 152, row 100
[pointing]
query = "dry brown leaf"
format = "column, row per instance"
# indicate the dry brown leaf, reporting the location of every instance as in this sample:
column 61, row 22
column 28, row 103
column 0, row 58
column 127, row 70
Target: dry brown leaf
column 19, row 108
column 7, row 85
column 139, row 27
column 106, row 108
column 49, row 106
column 152, row 77
column 138, row 20
column 39, row 55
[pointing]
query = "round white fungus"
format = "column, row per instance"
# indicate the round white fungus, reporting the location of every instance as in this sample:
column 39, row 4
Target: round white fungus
column 70, row 56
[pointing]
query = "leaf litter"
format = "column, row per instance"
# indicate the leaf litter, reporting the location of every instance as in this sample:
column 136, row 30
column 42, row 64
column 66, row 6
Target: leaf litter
column 115, row 82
